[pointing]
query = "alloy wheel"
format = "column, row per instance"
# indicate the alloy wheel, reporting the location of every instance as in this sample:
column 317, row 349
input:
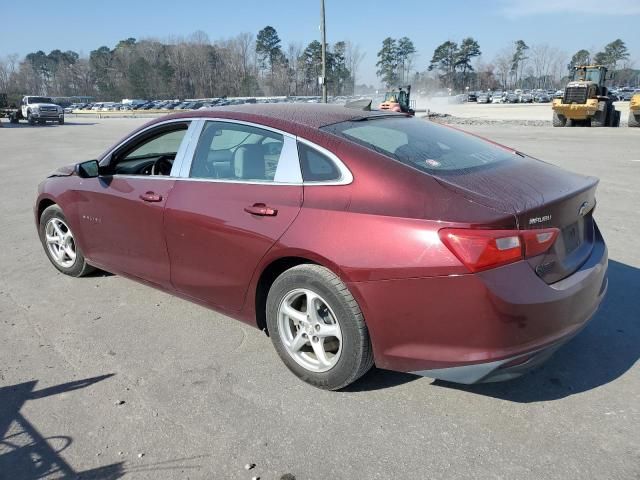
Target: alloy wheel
column 309, row 330
column 60, row 242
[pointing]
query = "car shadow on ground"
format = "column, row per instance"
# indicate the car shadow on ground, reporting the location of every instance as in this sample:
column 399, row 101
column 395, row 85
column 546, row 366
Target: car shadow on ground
column 606, row 349
column 26, row 454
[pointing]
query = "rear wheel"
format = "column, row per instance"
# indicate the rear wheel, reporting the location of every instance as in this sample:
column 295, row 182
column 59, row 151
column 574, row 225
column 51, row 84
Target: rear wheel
column 317, row 328
column 559, row 120
column 14, row 118
column 616, row 114
column 634, row 120
column 60, row 245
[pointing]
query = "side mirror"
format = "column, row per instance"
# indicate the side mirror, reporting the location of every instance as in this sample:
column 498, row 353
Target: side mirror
column 88, row 169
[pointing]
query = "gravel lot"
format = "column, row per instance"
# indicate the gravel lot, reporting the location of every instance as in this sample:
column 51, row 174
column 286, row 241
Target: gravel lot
column 104, row 378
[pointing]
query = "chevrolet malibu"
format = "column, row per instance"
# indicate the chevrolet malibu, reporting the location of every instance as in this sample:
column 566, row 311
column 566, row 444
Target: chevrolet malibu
column 352, row 238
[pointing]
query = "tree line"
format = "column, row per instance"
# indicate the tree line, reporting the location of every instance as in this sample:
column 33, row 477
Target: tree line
column 459, row 66
column 191, row 67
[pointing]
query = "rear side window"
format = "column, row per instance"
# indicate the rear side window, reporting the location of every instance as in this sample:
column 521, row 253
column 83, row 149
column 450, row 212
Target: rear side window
column 229, row 151
column 316, row 166
column 431, row 148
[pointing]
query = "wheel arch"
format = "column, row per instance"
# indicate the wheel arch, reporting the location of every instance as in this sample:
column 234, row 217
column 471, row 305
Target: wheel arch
column 268, row 275
column 43, row 204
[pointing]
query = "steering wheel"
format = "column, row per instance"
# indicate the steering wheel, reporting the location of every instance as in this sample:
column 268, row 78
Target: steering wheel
column 162, row 165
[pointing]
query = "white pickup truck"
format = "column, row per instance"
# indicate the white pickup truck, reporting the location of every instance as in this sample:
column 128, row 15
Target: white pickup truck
column 38, row 110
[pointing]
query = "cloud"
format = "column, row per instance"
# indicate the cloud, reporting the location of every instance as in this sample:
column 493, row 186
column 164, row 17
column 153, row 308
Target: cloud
column 525, row 8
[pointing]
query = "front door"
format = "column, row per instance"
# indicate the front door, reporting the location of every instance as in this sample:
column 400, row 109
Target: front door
column 121, row 212
column 243, row 191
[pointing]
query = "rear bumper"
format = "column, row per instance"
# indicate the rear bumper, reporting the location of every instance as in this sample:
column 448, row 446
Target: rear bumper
column 490, row 326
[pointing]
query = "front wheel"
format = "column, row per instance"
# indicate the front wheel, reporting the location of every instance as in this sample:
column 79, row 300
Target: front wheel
column 634, row 120
column 317, row 328
column 60, row 245
column 61, row 121
column 559, row 120
column 30, row 119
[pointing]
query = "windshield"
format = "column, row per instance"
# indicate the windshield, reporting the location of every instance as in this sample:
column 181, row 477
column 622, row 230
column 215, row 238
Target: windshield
column 31, row 100
column 587, row 74
column 422, row 144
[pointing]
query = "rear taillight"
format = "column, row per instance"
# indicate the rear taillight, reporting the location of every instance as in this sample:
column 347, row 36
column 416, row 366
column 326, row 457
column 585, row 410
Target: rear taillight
column 483, row 249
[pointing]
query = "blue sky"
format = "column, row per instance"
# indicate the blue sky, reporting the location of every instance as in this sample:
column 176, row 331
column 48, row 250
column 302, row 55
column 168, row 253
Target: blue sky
column 84, row 25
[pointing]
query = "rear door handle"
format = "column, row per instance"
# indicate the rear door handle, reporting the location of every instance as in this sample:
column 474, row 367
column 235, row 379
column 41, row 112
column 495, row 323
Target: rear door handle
column 151, row 197
column 261, row 209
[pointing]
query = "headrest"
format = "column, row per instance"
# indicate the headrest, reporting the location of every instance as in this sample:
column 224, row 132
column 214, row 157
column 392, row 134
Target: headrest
column 248, row 162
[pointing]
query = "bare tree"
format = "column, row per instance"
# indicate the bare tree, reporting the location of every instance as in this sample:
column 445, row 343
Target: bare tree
column 354, row 57
column 503, row 62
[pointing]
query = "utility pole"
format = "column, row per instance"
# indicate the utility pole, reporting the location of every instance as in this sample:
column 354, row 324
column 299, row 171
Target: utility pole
column 324, row 53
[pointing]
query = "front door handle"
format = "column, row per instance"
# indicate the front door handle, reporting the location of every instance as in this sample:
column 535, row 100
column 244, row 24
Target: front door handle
column 261, row 209
column 151, row 197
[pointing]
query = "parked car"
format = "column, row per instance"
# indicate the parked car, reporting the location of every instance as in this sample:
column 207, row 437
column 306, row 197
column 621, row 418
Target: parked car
column 275, row 217
column 497, row 97
column 484, row 97
column 525, row 98
column 512, row 98
column 541, row 97
column 472, row 97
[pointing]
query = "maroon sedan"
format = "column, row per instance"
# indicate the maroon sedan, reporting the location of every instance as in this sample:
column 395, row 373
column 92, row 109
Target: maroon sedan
column 351, row 237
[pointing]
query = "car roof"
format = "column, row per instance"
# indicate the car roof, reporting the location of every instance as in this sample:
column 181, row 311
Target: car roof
column 295, row 114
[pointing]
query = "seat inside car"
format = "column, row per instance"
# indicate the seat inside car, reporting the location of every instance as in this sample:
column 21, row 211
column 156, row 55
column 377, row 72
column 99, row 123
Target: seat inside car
column 249, row 162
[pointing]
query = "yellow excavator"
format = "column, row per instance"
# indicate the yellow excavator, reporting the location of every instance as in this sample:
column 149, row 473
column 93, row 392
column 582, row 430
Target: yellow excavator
column 586, row 101
column 634, row 111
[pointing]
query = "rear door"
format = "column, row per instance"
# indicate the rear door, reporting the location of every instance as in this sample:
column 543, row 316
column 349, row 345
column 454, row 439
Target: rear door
column 236, row 198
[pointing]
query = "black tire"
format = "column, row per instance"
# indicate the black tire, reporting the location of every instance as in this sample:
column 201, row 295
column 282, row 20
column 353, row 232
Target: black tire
column 356, row 356
column 30, row 119
column 600, row 117
column 559, row 120
column 61, row 121
column 616, row 114
column 79, row 267
column 634, row 120
column 571, row 123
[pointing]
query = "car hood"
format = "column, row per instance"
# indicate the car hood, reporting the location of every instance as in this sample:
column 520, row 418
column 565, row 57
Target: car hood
column 65, row 171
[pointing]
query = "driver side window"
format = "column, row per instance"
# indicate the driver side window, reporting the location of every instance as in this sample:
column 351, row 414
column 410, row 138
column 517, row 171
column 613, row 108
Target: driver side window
column 152, row 153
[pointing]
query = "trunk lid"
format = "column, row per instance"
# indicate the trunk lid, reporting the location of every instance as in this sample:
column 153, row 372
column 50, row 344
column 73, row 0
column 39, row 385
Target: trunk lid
column 539, row 195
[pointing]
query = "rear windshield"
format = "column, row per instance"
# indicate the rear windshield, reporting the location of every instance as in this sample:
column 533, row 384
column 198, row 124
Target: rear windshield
column 422, row 144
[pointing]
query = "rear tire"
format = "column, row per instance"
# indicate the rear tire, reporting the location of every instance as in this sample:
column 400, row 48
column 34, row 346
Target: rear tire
column 297, row 332
column 616, row 114
column 60, row 245
column 559, row 120
column 634, row 120
column 14, row 118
